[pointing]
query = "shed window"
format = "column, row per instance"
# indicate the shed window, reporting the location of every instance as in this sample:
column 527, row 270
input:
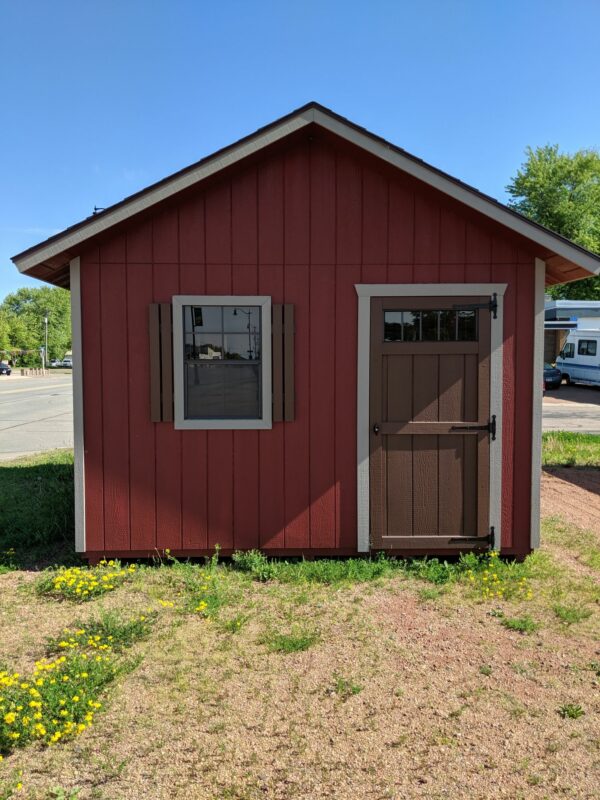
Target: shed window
column 445, row 325
column 587, row 347
column 222, row 365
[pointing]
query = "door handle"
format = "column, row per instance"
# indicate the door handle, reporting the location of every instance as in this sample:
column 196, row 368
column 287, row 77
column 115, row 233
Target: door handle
column 376, row 429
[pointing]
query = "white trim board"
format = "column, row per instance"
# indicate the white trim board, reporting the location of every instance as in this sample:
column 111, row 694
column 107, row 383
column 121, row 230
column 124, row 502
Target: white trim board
column 365, row 292
column 78, row 440
column 537, row 399
column 347, row 131
column 180, row 422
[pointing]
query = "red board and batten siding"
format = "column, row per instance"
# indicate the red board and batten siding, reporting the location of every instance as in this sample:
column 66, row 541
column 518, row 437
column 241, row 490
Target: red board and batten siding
column 304, row 225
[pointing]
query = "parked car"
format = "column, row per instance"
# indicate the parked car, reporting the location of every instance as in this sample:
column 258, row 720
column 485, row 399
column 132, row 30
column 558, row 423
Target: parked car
column 55, row 362
column 5, row 368
column 67, row 362
column 552, row 377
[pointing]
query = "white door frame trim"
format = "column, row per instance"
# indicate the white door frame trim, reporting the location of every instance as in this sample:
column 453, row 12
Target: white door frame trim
column 537, row 399
column 365, row 292
column 78, row 443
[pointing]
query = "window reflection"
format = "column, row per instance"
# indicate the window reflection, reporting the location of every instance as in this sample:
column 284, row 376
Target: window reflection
column 437, row 325
column 222, row 353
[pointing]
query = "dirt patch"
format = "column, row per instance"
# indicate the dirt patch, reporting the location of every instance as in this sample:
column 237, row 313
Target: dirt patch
column 573, row 494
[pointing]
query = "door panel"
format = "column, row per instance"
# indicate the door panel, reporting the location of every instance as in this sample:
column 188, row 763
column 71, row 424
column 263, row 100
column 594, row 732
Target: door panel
column 429, row 378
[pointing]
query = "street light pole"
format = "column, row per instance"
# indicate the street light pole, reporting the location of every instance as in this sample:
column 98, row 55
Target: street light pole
column 46, row 338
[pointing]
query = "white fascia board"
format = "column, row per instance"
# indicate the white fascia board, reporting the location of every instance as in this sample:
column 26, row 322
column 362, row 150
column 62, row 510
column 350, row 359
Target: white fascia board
column 363, row 140
column 163, row 192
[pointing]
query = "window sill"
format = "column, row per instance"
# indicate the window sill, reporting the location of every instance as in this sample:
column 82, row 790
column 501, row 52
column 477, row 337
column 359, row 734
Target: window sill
column 222, row 425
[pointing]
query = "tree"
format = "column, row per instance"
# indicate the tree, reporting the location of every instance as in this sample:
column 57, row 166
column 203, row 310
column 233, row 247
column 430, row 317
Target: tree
column 562, row 192
column 22, row 322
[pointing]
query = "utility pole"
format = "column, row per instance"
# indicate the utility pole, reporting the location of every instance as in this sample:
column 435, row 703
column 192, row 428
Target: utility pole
column 46, row 339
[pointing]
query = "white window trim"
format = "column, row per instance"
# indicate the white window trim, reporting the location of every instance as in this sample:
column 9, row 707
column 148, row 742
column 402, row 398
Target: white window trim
column 179, row 301
column 365, row 292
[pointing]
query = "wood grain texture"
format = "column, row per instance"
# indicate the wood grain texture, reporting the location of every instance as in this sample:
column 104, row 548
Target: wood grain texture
column 289, row 328
column 277, row 358
column 142, row 456
column 115, row 405
column 314, row 220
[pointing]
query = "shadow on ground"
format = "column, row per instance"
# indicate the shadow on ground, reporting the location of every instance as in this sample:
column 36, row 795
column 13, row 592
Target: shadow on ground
column 37, row 511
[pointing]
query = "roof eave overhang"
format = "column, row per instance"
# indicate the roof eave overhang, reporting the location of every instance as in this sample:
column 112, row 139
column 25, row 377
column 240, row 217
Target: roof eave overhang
column 578, row 262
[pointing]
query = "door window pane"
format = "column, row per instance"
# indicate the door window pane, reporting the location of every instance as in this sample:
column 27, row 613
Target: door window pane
column 467, row 326
column 436, row 325
column 392, row 326
column 429, row 326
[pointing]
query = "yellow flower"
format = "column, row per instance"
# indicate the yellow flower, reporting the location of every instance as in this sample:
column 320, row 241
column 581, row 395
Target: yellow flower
column 10, row 718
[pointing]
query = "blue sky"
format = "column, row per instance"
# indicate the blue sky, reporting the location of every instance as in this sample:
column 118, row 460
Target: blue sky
column 99, row 99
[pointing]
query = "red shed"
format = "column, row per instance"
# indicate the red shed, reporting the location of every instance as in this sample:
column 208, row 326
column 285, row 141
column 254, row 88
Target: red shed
column 310, row 342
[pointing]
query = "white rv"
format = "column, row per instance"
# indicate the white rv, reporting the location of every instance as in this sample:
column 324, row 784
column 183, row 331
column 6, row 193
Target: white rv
column 579, row 360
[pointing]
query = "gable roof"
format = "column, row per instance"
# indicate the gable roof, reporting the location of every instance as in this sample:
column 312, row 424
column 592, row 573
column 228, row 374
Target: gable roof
column 48, row 260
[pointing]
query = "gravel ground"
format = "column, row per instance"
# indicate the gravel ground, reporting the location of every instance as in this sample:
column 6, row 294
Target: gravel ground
column 410, row 690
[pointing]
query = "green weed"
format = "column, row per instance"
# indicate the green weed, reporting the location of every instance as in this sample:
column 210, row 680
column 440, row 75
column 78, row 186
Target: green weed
column 570, row 711
column 569, row 615
column 110, row 629
column 345, row 688
column 520, row 624
column 293, row 642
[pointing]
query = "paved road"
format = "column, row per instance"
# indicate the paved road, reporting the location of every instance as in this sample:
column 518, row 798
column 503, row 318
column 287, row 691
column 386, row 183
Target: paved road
column 36, row 414
column 572, row 408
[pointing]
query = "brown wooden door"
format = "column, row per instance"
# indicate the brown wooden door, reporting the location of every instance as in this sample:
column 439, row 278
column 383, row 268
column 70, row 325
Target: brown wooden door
column 429, row 392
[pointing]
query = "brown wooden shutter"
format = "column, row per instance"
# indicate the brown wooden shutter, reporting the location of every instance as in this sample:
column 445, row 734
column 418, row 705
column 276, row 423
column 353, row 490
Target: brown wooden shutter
column 283, row 362
column 161, row 362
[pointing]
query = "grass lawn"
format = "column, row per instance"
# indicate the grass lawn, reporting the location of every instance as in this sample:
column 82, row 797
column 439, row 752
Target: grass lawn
column 326, row 679
column 563, row 449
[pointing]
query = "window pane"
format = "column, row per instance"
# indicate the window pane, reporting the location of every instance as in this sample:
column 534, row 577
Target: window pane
column 392, row 326
column 205, row 318
column 447, row 326
column 221, row 391
column 236, row 319
column 411, row 325
column 467, row 326
column 204, row 346
column 429, row 326
column 242, row 346
column 587, row 347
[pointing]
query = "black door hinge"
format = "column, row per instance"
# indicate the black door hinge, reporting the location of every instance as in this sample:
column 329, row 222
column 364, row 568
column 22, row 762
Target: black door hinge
column 487, row 540
column 491, row 306
column 490, row 428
